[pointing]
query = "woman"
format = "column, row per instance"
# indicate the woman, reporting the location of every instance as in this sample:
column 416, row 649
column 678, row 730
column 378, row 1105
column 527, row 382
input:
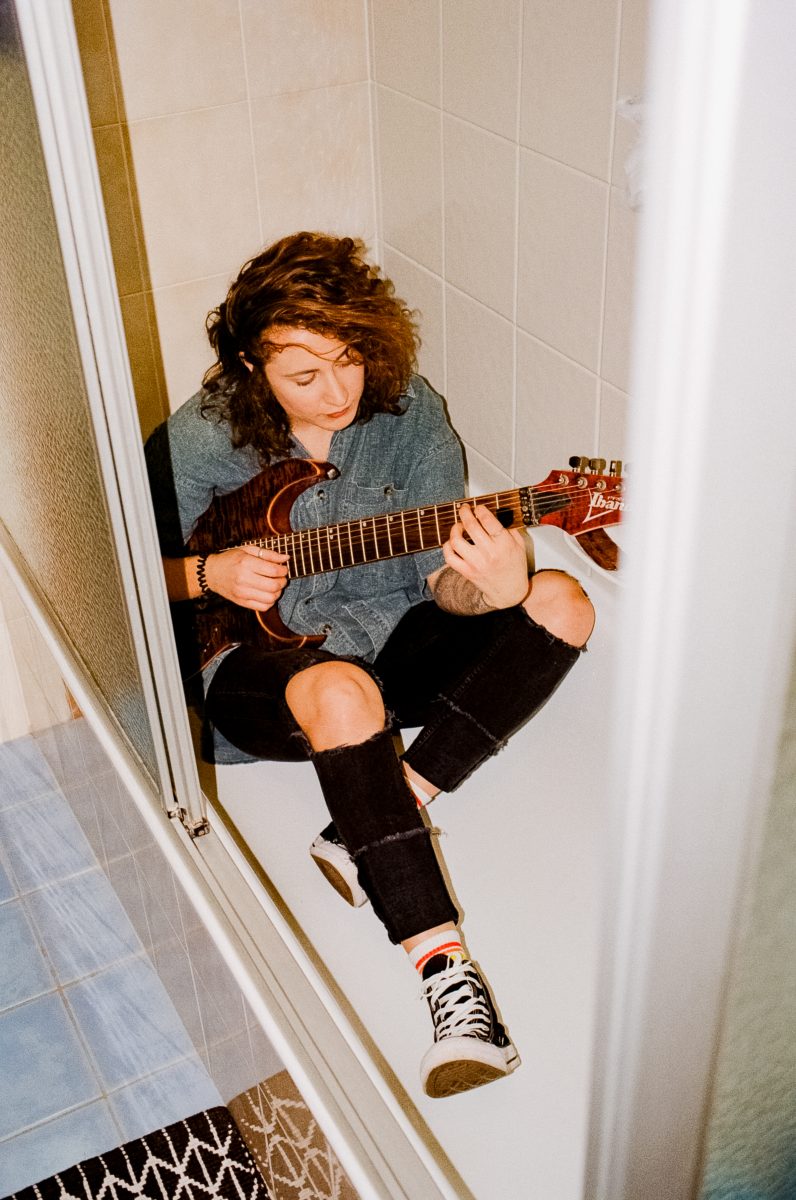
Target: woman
column 314, row 361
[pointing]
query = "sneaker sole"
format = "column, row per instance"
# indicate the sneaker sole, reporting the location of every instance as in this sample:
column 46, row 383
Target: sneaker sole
column 338, row 882
column 460, row 1064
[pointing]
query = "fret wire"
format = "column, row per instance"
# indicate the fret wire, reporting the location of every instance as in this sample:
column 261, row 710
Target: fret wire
column 420, row 512
column 403, row 531
column 329, row 540
column 309, row 550
column 351, row 544
column 362, row 535
column 320, row 549
column 436, row 519
column 389, row 534
column 301, row 548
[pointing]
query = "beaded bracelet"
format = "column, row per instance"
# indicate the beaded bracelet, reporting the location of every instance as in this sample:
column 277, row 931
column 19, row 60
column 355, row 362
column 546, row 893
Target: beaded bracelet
column 201, row 578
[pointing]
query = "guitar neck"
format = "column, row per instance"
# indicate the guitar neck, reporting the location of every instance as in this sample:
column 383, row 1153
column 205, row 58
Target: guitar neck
column 390, row 535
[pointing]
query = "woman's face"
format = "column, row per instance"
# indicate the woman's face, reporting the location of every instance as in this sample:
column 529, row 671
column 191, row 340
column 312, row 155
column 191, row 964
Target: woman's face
column 314, row 379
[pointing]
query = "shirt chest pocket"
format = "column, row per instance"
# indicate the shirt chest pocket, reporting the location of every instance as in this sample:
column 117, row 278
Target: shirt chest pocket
column 361, row 501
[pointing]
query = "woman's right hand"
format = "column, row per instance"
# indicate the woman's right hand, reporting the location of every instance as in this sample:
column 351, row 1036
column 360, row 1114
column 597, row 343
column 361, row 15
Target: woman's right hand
column 248, row 575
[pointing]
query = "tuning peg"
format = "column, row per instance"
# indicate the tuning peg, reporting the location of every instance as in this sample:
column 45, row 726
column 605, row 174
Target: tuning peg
column 579, row 464
column 616, row 467
column 597, row 465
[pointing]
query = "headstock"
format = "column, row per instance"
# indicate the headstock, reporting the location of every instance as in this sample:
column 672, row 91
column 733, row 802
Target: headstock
column 596, row 500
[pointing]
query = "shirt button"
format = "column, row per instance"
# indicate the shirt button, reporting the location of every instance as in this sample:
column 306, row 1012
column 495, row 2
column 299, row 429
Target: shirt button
column 389, row 490
column 326, row 629
column 321, row 495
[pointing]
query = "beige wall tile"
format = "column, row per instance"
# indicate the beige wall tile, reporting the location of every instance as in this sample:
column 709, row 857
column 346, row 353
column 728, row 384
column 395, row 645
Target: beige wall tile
column 483, row 476
column 568, row 81
column 614, row 413
column 632, row 78
column 557, row 413
column 480, row 222
column 146, row 366
column 561, row 253
column 481, row 62
column 423, row 291
column 313, row 160
column 95, row 57
column 178, row 55
column 119, row 210
column 181, row 312
column 481, row 377
column 299, row 45
column 14, row 721
column 406, row 49
column 617, row 328
column 410, row 154
column 196, row 191
column 44, row 695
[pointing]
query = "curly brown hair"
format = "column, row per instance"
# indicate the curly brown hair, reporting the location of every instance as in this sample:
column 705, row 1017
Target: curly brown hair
column 309, row 281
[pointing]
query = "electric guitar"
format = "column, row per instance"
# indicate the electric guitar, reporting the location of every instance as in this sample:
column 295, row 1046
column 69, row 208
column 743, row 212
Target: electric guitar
column 582, row 501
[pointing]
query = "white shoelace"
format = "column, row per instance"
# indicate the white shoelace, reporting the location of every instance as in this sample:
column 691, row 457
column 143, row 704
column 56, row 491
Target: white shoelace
column 458, row 1004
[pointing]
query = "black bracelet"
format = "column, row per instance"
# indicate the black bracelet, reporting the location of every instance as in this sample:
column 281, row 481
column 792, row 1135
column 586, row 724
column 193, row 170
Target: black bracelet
column 200, row 574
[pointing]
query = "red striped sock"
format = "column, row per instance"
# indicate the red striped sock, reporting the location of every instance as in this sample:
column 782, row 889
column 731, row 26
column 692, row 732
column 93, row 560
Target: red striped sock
column 448, row 942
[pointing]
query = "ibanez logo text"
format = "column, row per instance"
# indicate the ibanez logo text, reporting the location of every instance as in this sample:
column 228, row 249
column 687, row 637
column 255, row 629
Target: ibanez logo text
column 598, row 503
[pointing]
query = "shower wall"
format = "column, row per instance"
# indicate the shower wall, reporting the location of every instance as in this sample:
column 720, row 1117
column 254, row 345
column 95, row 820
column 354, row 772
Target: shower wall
column 475, row 147
column 506, row 217
column 219, row 125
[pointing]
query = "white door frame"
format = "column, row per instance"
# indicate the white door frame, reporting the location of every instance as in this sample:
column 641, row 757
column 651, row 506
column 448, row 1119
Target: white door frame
column 709, row 610
column 58, row 90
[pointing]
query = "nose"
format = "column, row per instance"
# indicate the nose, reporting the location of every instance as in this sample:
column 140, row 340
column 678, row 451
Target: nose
column 336, row 394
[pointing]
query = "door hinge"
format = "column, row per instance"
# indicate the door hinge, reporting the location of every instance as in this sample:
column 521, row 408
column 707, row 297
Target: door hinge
column 195, row 829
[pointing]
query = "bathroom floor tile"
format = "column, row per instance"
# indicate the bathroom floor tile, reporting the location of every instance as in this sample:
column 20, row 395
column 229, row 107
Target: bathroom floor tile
column 129, row 1022
column 170, row 1095
column 44, row 1068
column 24, row 772
column 44, row 841
column 30, row 1157
column 83, row 925
column 23, row 970
column 7, row 889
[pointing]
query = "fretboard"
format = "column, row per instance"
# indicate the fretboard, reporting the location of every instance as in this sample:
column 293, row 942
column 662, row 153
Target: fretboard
column 390, row 535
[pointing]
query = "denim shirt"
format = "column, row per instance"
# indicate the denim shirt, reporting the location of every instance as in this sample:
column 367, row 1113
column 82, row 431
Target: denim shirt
column 389, row 463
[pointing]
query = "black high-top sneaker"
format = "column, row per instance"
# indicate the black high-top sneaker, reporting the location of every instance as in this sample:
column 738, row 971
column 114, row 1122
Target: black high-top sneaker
column 471, row 1047
column 332, row 858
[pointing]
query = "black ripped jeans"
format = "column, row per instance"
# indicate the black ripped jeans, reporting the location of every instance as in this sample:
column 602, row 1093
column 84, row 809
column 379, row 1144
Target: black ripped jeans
column 469, row 682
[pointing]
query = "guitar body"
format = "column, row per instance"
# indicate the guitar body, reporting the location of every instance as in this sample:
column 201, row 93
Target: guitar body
column 260, row 509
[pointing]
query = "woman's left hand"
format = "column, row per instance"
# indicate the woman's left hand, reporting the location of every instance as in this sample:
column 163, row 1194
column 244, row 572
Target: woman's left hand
column 490, row 557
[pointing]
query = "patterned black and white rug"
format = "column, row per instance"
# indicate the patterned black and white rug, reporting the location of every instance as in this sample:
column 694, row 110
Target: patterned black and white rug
column 200, row 1158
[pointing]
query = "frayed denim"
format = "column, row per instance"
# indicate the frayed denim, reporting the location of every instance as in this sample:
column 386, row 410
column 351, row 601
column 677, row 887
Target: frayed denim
column 468, row 682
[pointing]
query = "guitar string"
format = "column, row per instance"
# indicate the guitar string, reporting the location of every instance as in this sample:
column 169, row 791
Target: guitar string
column 380, row 522
column 310, row 542
column 429, row 513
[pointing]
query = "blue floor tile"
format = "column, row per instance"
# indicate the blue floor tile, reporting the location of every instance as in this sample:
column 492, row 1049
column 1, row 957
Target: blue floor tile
column 56, row 1145
column 44, row 842
column 129, row 1022
column 44, row 1069
column 7, row 889
column 23, row 970
column 24, row 772
column 170, row 1095
column 83, row 925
